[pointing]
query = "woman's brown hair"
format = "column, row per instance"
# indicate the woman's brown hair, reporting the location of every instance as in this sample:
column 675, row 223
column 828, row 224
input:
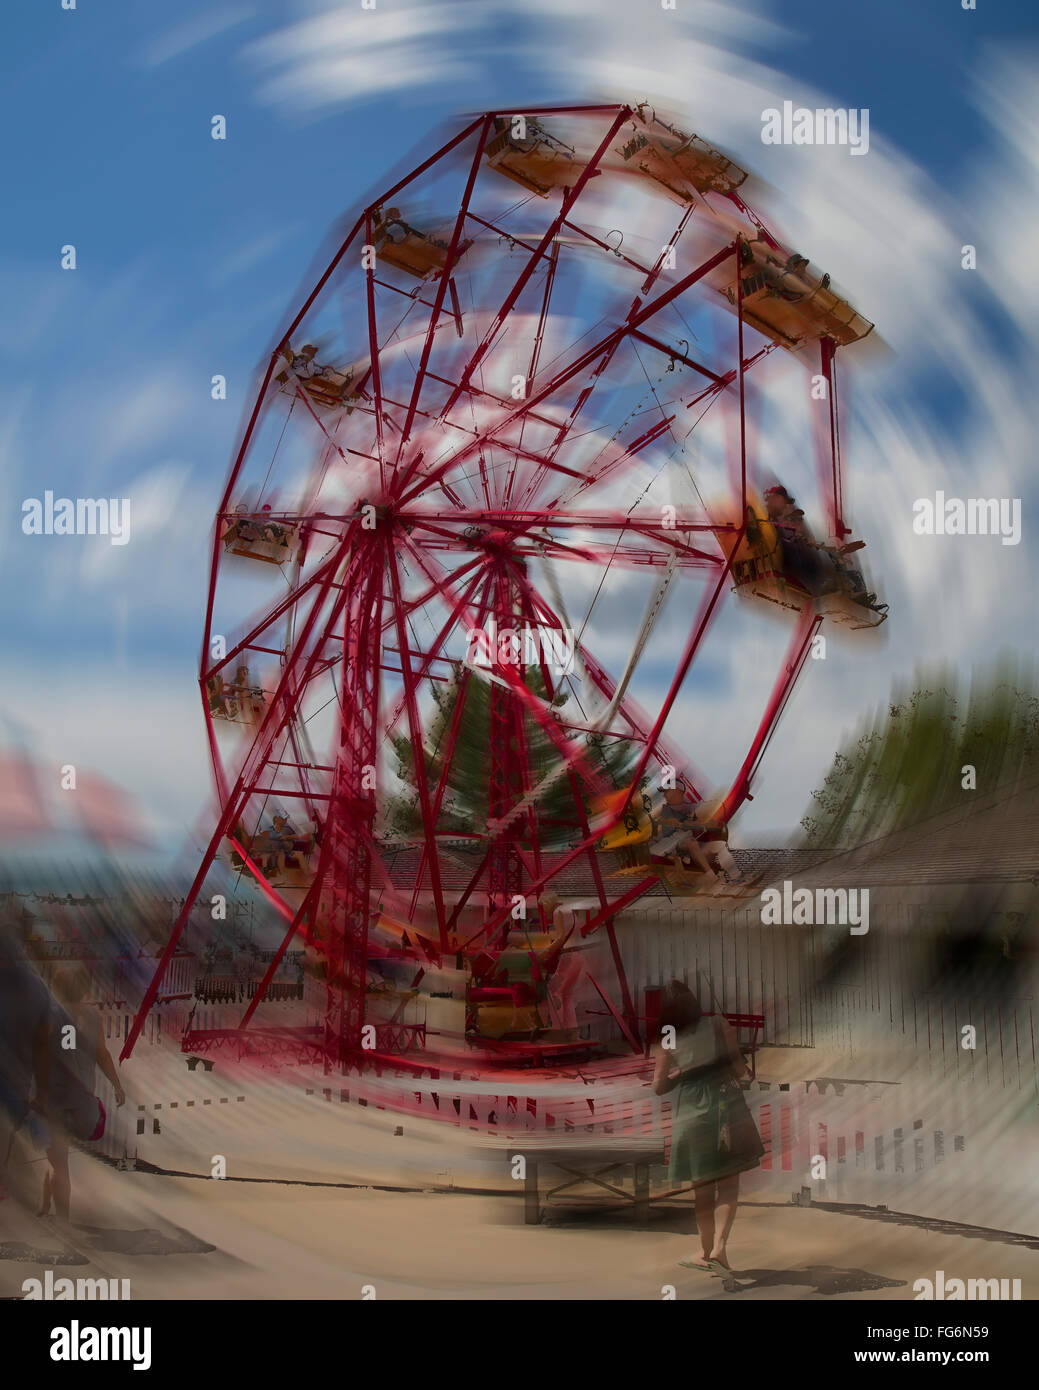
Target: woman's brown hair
column 679, row 1007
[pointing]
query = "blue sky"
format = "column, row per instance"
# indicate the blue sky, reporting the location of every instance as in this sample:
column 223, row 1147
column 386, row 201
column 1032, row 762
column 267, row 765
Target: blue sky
column 191, row 250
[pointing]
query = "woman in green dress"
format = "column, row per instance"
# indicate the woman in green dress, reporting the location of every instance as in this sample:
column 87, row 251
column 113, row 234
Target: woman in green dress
column 713, row 1137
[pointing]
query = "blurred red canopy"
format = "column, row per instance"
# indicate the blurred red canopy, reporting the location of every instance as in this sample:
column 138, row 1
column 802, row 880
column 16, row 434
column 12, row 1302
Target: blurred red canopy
column 22, row 811
column 108, row 814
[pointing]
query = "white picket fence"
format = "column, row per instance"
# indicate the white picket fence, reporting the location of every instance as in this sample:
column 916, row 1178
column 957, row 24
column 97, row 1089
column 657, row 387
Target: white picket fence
column 866, row 1143
column 920, row 1148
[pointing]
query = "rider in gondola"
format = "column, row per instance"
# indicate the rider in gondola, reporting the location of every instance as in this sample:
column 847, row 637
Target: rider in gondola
column 801, row 559
column 819, row 569
column 679, row 832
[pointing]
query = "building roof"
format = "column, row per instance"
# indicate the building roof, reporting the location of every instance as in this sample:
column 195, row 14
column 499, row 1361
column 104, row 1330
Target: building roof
column 459, row 863
column 990, row 838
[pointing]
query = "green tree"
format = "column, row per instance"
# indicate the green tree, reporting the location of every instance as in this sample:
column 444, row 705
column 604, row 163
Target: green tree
column 465, row 808
column 907, row 763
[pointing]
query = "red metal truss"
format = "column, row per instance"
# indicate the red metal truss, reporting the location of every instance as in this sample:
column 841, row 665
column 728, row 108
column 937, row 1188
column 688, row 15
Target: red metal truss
column 344, row 918
column 453, row 407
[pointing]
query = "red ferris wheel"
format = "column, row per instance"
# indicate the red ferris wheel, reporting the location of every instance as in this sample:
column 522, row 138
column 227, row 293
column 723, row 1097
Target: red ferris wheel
column 468, row 429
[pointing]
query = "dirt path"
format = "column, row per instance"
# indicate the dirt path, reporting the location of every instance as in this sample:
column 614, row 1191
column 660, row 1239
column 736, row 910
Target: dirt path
column 185, row 1238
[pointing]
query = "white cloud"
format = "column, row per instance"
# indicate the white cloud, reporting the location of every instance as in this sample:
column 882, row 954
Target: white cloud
column 1003, row 205
column 355, row 54
column 193, row 32
column 166, row 536
column 143, row 731
column 247, row 255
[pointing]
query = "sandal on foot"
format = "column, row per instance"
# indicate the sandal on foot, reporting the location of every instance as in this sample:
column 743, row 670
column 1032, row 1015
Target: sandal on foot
column 690, row 1263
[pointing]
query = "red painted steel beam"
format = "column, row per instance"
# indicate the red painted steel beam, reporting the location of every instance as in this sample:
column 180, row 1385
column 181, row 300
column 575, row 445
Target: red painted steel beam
column 605, row 246
column 566, row 374
column 522, row 520
column 458, row 607
column 739, row 361
column 275, row 899
column 428, row 163
column 521, row 452
column 808, row 625
column 828, row 355
column 611, row 910
column 519, row 689
column 534, row 608
column 412, row 605
column 320, row 576
column 373, row 352
column 703, row 621
column 570, row 196
column 415, row 729
column 606, row 108
column 637, row 719
column 659, row 263
column 677, row 356
column 234, row 806
column 452, row 257
column 449, row 751
column 618, row 1017
column 479, row 393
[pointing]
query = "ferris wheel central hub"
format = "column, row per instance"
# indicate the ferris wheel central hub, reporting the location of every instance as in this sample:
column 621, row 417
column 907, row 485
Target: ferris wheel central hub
column 374, row 512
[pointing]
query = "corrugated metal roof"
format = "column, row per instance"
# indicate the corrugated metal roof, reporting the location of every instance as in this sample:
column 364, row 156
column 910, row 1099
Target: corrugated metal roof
column 991, row 838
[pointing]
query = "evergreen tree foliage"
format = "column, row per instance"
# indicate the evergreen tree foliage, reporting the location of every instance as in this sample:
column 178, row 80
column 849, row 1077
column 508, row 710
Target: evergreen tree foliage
column 465, row 808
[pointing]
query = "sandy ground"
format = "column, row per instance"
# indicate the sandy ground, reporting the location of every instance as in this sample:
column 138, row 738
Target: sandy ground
column 204, row 1238
column 304, row 1212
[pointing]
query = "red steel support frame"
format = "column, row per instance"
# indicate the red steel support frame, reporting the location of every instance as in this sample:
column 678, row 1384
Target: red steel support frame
column 357, row 595
column 831, row 450
column 570, row 196
column 234, row 804
column 589, row 357
column 351, row 820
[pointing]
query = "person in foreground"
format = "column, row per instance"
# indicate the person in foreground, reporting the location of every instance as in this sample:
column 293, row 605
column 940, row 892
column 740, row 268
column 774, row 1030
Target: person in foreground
column 77, row 1051
column 713, row 1137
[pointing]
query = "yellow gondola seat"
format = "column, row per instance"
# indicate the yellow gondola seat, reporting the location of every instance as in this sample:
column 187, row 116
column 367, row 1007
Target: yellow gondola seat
column 631, row 841
column 222, row 704
column 636, row 827
column 324, row 385
column 790, row 301
column 759, row 555
column 258, row 536
column 407, row 248
column 759, row 568
column 496, row 1021
column 537, row 161
column 330, row 388
column 261, row 849
column 683, row 164
column 296, row 872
